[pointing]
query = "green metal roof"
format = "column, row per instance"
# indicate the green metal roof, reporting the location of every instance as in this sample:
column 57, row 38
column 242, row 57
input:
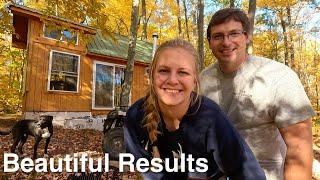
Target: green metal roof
column 118, row 47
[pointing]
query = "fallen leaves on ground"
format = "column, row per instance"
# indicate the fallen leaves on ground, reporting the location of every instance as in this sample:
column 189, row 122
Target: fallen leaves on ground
column 63, row 142
column 69, row 141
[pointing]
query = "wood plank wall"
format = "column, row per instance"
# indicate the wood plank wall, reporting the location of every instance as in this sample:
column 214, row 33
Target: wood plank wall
column 38, row 99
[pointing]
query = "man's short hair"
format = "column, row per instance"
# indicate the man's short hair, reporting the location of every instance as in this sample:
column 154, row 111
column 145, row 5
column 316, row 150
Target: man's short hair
column 227, row 14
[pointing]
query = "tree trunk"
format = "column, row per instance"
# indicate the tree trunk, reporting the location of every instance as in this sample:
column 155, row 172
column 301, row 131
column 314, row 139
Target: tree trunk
column 186, row 19
column 194, row 18
column 315, row 60
column 291, row 43
column 317, row 93
column 285, row 39
column 126, row 87
column 200, row 33
column 144, row 20
column 232, row 4
column 251, row 15
column 179, row 20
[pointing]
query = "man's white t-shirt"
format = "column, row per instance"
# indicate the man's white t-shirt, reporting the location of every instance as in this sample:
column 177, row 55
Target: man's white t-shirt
column 262, row 96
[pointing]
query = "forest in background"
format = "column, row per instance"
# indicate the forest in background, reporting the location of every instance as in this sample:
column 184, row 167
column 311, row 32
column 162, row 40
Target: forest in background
column 284, row 30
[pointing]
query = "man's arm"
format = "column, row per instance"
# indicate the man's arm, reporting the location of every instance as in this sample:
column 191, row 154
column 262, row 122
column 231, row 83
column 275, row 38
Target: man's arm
column 299, row 157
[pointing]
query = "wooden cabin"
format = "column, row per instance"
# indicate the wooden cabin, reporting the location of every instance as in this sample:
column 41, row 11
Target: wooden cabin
column 74, row 79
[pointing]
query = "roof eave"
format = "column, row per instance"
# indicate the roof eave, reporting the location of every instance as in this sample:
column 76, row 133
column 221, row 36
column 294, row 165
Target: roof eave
column 24, row 11
column 117, row 58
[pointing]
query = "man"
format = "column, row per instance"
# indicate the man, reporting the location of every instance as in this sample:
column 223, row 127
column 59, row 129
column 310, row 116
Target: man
column 264, row 99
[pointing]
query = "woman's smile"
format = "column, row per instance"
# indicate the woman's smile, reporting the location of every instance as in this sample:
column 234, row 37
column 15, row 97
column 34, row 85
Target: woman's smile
column 174, row 78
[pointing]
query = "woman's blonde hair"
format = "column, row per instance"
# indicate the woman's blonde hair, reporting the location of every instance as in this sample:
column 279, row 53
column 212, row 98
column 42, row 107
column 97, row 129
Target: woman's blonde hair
column 151, row 106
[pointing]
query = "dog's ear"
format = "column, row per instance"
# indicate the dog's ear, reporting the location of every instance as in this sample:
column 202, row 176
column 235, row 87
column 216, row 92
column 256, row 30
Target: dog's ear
column 47, row 118
column 50, row 118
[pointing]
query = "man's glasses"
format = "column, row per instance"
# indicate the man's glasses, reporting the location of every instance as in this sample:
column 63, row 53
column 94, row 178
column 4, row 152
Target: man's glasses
column 233, row 35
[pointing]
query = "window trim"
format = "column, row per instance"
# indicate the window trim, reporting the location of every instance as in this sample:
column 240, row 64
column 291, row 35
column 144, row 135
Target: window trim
column 94, row 70
column 43, row 34
column 50, row 67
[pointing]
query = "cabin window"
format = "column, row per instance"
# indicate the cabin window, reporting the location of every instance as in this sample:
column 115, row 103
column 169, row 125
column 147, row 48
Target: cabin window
column 66, row 35
column 63, row 71
column 108, row 79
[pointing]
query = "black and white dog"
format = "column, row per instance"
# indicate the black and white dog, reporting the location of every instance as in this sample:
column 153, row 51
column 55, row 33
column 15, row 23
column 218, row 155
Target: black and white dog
column 40, row 129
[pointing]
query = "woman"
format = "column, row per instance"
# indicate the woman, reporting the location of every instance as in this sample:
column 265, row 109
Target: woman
column 174, row 122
